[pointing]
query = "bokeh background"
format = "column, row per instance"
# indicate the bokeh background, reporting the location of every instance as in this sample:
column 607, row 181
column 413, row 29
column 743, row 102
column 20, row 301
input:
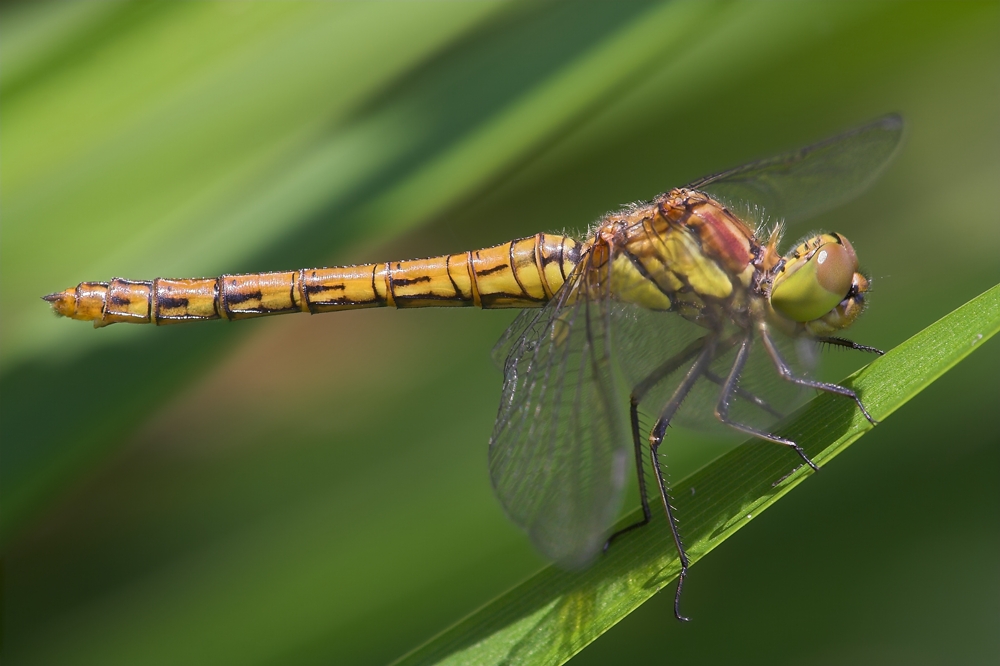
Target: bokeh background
column 314, row 489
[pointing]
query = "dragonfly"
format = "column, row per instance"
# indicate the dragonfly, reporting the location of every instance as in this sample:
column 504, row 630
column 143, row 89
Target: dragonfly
column 681, row 308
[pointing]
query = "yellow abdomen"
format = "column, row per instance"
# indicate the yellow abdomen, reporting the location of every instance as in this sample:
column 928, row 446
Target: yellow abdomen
column 518, row 274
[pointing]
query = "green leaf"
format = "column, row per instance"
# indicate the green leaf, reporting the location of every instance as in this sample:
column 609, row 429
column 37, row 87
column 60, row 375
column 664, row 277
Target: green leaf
column 555, row 614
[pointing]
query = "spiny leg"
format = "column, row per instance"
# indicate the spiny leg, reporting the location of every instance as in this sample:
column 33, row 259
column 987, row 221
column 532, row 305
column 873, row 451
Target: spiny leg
column 664, row 370
column 634, row 401
column 655, row 439
column 729, row 389
column 787, row 374
column 850, row 344
column 637, row 445
column 639, row 392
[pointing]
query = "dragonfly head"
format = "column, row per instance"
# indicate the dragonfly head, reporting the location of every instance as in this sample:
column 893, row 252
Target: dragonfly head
column 818, row 285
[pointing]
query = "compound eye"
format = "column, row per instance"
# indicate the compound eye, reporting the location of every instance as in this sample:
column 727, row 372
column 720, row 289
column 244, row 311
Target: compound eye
column 809, row 287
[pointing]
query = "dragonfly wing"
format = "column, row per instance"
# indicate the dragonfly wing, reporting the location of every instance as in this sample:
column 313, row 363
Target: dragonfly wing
column 560, row 449
column 525, row 319
column 812, row 180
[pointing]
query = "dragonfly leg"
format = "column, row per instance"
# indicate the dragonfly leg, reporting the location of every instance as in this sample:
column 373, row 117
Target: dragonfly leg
column 746, row 395
column 637, row 443
column 656, row 439
column 786, row 373
column 664, row 370
column 729, row 390
column 850, row 344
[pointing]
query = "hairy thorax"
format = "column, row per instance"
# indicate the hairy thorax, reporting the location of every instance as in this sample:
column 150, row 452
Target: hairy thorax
column 683, row 252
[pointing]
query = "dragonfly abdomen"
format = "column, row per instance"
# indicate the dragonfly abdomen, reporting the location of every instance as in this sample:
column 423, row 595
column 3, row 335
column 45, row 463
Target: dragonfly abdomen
column 520, row 273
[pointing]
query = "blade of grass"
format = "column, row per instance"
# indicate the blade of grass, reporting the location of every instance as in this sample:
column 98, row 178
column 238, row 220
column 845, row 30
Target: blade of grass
column 555, row 614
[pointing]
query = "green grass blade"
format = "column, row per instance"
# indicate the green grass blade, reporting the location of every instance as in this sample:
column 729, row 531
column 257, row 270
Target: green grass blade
column 555, row 614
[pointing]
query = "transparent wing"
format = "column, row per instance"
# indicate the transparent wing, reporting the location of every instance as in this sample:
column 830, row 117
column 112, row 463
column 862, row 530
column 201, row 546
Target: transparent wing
column 807, row 182
column 560, row 449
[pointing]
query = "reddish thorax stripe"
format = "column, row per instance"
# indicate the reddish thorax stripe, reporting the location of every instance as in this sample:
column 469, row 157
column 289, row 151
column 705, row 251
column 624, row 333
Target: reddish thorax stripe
column 723, row 237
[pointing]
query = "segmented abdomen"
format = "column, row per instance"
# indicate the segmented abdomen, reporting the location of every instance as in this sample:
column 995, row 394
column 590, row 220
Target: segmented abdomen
column 521, row 273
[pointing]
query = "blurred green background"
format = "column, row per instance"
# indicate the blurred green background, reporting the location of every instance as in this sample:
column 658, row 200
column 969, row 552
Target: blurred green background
column 314, row 489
